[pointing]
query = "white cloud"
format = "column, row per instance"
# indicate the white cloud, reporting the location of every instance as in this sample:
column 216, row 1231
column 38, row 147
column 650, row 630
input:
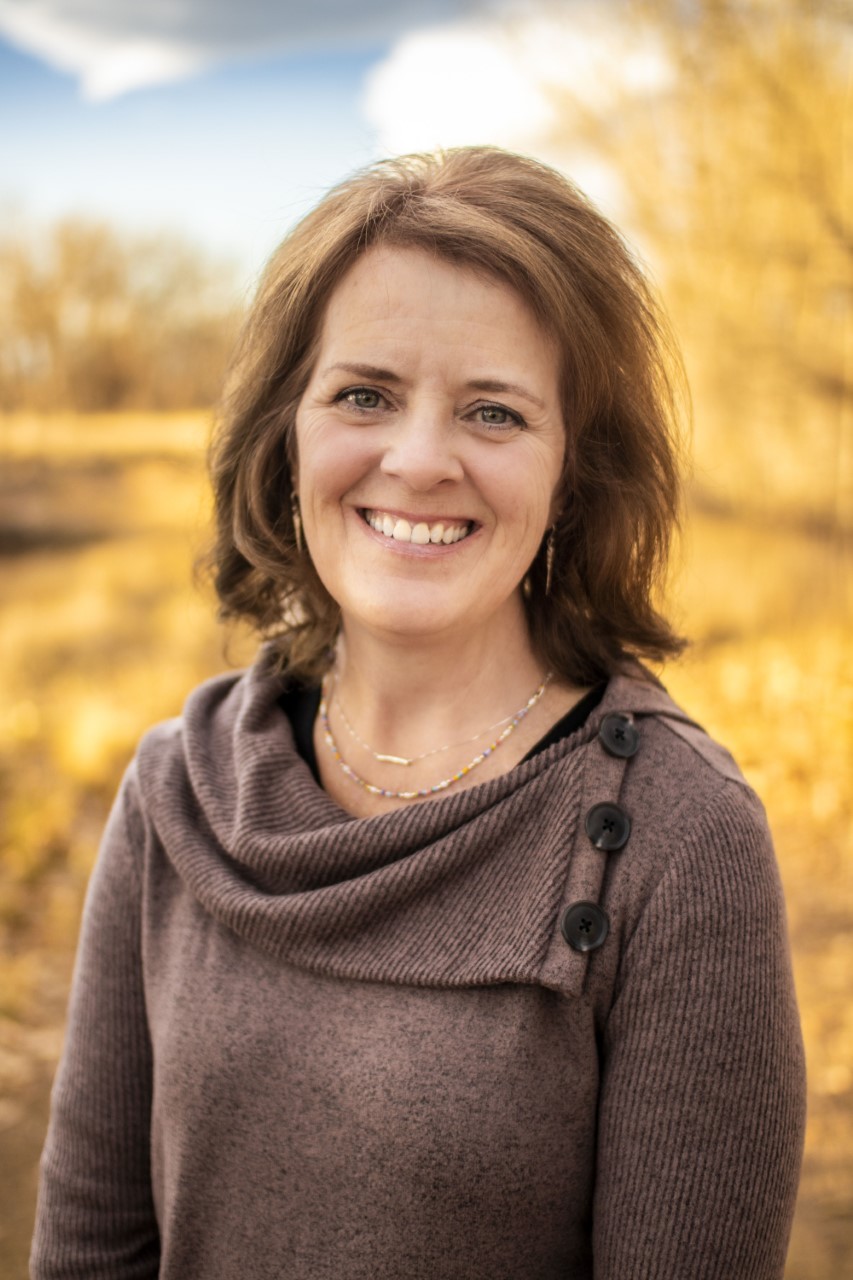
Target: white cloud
column 499, row 79
column 452, row 85
column 495, row 79
column 107, row 63
column 113, row 46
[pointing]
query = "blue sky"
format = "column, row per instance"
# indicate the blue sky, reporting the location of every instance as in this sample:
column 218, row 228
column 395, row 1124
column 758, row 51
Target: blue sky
column 229, row 156
column 227, row 121
column 221, row 120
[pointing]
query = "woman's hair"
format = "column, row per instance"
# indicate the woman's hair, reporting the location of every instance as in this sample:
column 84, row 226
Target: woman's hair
column 516, row 220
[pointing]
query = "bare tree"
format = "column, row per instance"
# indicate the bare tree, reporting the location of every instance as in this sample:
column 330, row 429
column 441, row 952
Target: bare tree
column 93, row 318
column 738, row 187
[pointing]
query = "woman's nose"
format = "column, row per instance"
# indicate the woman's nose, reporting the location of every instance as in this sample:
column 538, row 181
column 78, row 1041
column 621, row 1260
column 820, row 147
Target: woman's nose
column 422, row 449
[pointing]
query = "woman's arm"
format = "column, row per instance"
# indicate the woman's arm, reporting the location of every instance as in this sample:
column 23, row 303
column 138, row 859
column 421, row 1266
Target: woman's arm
column 702, row 1110
column 95, row 1213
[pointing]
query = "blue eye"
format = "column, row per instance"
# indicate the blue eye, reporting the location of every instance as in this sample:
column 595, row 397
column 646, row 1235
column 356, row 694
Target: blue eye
column 360, row 397
column 499, row 418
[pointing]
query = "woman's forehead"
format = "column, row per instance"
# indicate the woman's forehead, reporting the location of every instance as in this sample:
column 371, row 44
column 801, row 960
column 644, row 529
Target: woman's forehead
column 393, row 296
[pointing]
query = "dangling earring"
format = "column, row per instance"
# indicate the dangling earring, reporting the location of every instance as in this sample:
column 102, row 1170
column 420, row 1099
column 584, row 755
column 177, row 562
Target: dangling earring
column 549, row 560
column 297, row 521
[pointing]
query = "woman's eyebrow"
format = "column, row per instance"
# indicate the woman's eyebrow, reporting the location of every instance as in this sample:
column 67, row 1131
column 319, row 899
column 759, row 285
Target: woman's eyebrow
column 495, row 387
column 371, row 371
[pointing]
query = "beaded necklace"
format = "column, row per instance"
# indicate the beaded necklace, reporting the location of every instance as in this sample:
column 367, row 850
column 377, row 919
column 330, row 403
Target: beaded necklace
column 384, row 757
column 423, row 792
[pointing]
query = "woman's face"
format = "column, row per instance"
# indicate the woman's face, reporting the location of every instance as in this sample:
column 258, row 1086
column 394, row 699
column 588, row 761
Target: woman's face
column 430, row 445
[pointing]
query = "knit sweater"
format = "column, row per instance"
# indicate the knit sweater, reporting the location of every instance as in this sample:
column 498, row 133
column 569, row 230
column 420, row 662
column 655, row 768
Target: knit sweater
column 308, row 1045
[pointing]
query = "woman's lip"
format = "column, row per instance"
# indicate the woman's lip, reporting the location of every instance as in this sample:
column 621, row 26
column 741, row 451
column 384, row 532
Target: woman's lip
column 413, row 548
column 418, row 519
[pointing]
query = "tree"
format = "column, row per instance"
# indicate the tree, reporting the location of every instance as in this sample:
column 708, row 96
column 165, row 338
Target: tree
column 735, row 184
column 93, row 318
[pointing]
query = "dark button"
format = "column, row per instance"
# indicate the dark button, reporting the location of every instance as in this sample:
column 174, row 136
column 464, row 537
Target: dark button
column 608, row 827
column 618, row 735
column 584, row 926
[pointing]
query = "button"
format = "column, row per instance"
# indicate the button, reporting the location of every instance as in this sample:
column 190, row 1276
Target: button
column 584, row 926
column 619, row 736
column 608, row 827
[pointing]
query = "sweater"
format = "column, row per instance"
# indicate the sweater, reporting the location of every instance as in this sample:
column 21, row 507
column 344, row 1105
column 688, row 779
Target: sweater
column 544, row 1027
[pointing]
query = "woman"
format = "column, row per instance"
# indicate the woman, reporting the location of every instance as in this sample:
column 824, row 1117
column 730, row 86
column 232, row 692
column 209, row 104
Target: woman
column 441, row 943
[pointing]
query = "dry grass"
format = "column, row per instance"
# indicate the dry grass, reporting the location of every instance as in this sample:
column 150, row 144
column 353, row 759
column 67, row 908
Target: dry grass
column 102, row 635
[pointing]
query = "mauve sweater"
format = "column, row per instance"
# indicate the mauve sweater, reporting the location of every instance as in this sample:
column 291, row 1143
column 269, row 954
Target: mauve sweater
column 308, row 1045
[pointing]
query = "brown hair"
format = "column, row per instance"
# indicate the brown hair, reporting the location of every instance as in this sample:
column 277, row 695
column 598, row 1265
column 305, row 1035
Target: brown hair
column 521, row 222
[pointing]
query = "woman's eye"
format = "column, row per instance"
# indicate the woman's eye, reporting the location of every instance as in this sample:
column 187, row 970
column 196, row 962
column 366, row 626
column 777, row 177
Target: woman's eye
column 496, row 415
column 361, row 398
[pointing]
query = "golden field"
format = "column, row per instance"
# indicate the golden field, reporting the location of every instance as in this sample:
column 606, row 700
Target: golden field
column 102, row 633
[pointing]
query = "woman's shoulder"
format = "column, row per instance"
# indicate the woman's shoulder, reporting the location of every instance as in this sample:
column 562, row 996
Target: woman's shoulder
column 209, row 710
column 694, row 817
column 685, row 793
column 697, row 867
column 666, row 736
column 224, row 719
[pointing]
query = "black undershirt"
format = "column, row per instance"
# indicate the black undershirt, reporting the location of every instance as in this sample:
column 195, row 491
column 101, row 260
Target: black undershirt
column 301, row 704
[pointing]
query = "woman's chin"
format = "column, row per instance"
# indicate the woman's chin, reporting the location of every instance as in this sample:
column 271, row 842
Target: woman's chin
column 421, row 614
column 397, row 620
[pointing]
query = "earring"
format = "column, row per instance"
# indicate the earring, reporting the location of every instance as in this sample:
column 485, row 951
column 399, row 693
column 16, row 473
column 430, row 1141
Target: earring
column 549, row 560
column 297, row 521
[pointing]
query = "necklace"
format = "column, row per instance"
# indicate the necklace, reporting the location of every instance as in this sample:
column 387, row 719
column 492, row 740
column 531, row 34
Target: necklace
column 422, row 792
column 384, row 758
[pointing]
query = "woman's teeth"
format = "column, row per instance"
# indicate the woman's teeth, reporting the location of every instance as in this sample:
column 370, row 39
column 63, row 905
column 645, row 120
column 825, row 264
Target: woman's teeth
column 421, row 533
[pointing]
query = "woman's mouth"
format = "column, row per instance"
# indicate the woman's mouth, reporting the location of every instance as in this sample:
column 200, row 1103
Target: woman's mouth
column 419, row 532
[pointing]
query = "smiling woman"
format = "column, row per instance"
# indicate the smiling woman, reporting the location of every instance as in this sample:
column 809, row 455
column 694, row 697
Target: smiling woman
column 559, row 274
column 425, row 451
column 441, row 942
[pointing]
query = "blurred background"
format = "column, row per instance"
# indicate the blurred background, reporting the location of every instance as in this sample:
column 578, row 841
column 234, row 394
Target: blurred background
column 151, row 156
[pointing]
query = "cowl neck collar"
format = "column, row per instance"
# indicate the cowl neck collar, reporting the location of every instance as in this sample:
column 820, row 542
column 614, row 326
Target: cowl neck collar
column 441, row 892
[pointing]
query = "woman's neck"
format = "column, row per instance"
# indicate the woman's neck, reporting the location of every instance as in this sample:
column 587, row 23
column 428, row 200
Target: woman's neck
column 437, row 708
column 405, row 698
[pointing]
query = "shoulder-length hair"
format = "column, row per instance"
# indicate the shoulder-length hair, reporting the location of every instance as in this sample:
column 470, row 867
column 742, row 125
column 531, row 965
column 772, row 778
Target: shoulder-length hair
column 519, row 221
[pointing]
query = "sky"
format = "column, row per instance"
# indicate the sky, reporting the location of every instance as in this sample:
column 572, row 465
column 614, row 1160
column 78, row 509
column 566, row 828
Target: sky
column 227, row 121
column 229, row 157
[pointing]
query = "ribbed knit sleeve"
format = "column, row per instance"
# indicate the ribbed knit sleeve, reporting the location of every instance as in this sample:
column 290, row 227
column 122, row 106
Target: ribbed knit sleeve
column 701, row 1119
column 95, row 1215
